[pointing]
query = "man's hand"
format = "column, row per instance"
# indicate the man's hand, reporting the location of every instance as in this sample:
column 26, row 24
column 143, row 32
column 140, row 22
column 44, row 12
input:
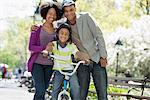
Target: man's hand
column 103, row 62
column 83, row 56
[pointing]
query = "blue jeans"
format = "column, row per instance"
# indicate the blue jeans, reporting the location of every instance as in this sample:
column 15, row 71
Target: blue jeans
column 41, row 75
column 57, row 85
column 99, row 77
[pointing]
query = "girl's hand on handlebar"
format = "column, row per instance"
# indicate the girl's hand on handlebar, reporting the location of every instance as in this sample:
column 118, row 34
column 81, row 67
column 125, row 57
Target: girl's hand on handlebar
column 50, row 46
column 45, row 53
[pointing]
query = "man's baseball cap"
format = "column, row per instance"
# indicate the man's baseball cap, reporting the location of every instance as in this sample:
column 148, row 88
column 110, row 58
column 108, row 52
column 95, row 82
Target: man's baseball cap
column 66, row 3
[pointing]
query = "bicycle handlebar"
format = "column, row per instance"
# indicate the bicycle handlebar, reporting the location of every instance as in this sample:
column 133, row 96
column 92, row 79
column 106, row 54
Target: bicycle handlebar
column 68, row 73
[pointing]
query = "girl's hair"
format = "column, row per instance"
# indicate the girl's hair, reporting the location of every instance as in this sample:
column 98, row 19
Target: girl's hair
column 45, row 8
column 64, row 25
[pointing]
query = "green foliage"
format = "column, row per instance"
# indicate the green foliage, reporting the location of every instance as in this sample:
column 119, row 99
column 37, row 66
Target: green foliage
column 144, row 6
column 108, row 16
column 16, row 37
column 112, row 89
column 9, row 58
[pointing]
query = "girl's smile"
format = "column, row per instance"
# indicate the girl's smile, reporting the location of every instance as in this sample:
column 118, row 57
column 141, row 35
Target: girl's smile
column 63, row 35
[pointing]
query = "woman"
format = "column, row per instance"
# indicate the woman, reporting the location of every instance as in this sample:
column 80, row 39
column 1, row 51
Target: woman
column 38, row 65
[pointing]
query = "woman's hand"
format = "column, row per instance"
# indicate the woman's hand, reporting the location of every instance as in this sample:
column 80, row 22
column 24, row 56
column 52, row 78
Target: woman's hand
column 45, row 53
column 49, row 46
column 34, row 27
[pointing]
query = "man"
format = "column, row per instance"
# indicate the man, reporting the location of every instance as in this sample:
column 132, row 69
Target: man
column 89, row 39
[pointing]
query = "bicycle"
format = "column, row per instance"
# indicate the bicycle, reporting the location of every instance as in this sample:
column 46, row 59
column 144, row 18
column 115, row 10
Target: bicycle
column 64, row 94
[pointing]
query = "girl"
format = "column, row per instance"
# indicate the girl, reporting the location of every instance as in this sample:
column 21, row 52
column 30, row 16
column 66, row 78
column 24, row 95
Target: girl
column 63, row 48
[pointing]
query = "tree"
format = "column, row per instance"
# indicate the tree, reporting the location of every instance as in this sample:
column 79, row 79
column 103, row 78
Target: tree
column 106, row 13
column 134, row 54
column 8, row 58
column 108, row 16
column 16, row 41
column 145, row 6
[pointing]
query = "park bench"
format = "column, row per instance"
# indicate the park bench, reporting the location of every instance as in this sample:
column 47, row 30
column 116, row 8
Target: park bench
column 131, row 84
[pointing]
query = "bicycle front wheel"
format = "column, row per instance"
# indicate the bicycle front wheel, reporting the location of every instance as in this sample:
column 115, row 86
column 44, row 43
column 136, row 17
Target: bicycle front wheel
column 64, row 97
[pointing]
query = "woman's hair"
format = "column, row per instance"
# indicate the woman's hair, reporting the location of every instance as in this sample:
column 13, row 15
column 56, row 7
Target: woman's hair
column 65, row 25
column 45, row 8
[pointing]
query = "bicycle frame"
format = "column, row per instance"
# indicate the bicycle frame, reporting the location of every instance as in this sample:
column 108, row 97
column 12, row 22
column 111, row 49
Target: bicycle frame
column 67, row 76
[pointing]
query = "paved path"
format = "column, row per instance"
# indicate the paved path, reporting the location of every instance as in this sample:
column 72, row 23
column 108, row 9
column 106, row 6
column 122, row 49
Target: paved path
column 9, row 90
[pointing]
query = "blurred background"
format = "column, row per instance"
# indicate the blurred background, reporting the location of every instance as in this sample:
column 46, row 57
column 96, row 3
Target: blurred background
column 125, row 25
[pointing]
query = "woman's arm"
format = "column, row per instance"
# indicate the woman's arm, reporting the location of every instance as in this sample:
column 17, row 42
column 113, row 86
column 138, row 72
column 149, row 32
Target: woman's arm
column 33, row 46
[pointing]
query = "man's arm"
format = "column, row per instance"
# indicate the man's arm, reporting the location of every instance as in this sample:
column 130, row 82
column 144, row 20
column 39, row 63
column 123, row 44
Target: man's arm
column 97, row 33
